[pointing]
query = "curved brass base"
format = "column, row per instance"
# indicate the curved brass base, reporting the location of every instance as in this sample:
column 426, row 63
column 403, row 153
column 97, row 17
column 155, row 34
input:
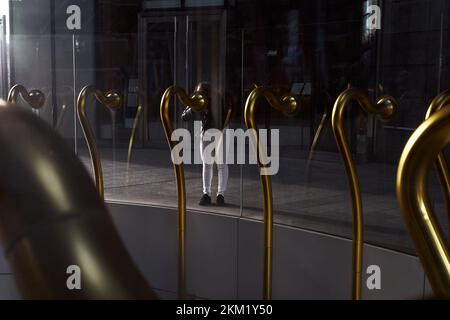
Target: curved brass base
column 52, row 218
column 385, row 109
column 113, row 101
column 441, row 101
column 289, row 105
column 415, row 164
column 198, row 102
column 35, row 98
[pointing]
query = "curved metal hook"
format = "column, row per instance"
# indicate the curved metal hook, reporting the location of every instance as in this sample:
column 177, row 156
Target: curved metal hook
column 415, row 164
column 198, row 102
column 113, row 101
column 35, row 98
column 385, row 108
column 442, row 100
column 52, row 218
column 289, row 105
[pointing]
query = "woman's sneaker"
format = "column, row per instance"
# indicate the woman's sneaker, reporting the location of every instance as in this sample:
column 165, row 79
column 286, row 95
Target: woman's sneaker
column 205, row 200
column 220, row 200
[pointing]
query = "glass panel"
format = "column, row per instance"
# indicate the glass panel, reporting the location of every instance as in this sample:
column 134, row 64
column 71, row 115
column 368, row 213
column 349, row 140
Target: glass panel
column 314, row 49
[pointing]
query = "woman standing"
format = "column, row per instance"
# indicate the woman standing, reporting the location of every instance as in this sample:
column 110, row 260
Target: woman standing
column 211, row 120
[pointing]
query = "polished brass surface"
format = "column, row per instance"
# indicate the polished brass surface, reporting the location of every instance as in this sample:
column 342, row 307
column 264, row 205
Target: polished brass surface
column 51, row 218
column 442, row 100
column 289, row 105
column 113, row 101
column 415, row 164
column 385, row 108
column 133, row 132
column 35, row 98
column 197, row 102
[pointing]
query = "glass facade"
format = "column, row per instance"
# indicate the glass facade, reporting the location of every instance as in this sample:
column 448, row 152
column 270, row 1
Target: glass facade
column 314, row 49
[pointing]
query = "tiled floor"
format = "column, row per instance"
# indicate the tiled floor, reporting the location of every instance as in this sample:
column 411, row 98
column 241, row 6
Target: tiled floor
column 320, row 202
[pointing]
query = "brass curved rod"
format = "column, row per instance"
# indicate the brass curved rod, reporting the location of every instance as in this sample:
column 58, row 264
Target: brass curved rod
column 113, row 101
column 35, row 98
column 442, row 100
column 415, row 164
column 133, row 132
column 52, row 218
column 199, row 103
column 384, row 108
column 289, row 105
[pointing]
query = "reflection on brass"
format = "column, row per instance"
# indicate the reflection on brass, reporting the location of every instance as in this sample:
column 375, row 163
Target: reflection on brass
column 384, row 108
column 198, row 103
column 133, row 132
column 442, row 100
column 288, row 104
column 113, row 101
column 415, row 164
column 35, row 98
column 52, row 221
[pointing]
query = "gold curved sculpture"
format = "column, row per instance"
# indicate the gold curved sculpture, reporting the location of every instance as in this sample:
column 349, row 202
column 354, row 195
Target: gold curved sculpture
column 113, row 101
column 133, row 132
column 415, row 164
column 289, row 105
column 442, row 100
column 35, row 98
column 52, row 218
column 384, row 108
column 197, row 102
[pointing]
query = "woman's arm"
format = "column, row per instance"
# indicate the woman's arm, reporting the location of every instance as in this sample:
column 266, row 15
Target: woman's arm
column 187, row 114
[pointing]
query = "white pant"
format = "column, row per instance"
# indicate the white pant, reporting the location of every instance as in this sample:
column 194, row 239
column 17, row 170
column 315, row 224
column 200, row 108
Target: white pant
column 208, row 168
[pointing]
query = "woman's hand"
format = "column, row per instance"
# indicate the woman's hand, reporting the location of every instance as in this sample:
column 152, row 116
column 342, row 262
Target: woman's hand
column 187, row 114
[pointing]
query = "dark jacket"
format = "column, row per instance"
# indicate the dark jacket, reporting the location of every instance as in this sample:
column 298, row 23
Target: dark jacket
column 207, row 123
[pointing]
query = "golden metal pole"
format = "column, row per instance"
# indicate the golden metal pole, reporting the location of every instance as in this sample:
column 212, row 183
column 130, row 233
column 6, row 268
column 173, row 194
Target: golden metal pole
column 288, row 104
column 416, row 161
column 198, row 102
column 113, row 101
column 442, row 100
column 384, row 108
column 35, row 98
column 52, row 218
column 133, row 132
